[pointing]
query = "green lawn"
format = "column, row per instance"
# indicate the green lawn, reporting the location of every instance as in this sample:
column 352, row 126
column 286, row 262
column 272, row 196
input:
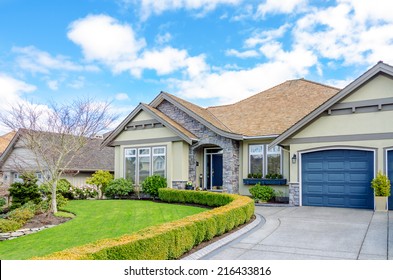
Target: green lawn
column 95, row 219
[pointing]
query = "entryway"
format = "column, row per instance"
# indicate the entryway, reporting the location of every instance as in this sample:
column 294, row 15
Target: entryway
column 213, row 168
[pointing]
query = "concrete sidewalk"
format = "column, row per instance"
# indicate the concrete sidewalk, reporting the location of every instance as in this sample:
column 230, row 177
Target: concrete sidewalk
column 306, row 233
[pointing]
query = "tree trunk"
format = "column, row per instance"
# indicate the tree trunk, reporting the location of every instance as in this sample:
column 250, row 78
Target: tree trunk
column 54, row 200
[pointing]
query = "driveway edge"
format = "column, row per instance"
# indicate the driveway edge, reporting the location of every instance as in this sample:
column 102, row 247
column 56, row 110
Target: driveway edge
column 214, row 246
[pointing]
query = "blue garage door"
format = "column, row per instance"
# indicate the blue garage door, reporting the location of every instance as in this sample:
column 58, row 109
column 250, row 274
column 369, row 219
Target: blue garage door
column 390, row 174
column 338, row 178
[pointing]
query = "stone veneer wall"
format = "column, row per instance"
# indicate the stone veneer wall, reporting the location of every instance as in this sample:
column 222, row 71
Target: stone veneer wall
column 207, row 137
column 294, row 199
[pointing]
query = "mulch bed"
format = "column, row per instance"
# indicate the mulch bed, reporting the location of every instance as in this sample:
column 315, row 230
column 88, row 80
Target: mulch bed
column 45, row 219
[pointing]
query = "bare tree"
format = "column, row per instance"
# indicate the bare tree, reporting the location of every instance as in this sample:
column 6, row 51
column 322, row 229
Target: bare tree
column 57, row 134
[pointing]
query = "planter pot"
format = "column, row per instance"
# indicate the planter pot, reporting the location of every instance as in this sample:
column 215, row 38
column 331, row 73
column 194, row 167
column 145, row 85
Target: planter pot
column 189, row 187
column 380, row 203
column 265, row 181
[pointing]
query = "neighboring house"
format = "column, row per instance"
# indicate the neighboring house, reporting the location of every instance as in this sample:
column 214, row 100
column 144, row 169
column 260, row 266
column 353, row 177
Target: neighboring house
column 17, row 158
column 328, row 143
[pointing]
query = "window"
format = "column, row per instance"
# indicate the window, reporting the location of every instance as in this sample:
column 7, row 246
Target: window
column 261, row 164
column 274, row 160
column 143, row 162
column 256, row 159
column 159, row 161
column 130, row 164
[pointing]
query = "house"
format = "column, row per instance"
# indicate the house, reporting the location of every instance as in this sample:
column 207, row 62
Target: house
column 17, row 158
column 326, row 142
column 214, row 147
column 338, row 148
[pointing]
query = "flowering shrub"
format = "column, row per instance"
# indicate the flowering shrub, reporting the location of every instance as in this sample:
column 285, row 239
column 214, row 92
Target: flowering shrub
column 84, row 191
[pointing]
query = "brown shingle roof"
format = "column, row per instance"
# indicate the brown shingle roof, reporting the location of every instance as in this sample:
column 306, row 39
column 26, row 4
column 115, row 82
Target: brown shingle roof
column 273, row 111
column 202, row 112
column 5, row 140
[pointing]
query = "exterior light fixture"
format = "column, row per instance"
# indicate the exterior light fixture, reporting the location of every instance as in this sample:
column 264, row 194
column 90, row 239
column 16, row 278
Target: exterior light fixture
column 294, row 158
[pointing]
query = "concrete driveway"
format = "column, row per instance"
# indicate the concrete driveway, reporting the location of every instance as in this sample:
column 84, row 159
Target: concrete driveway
column 305, row 233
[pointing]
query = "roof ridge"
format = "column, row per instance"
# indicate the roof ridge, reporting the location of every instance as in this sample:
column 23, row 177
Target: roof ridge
column 202, row 108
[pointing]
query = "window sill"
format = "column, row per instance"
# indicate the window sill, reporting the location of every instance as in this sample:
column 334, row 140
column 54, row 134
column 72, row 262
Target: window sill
column 265, row 181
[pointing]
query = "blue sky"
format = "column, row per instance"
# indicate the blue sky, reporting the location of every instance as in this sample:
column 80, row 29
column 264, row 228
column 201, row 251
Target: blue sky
column 209, row 52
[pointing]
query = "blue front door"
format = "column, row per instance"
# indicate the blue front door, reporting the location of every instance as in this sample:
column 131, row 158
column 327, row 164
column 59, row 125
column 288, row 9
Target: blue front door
column 338, row 178
column 390, row 175
column 217, row 170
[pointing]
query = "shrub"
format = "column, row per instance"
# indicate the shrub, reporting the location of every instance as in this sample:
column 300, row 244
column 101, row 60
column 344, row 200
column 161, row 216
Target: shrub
column 2, row 201
column 21, row 215
column 119, row 188
column 101, row 179
column 169, row 240
column 9, row 225
column 152, row 183
column 84, row 192
column 64, row 188
column 263, row 193
column 381, row 185
column 26, row 191
column 249, row 176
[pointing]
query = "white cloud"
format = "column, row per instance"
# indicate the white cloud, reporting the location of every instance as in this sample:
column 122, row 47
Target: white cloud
column 154, row 7
column 121, row 96
column 32, row 59
column 233, row 85
column 53, row 84
column 264, row 36
column 12, row 89
column 162, row 39
column 243, row 54
column 117, row 46
column 280, row 7
column 77, row 83
column 357, row 35
column 105, row 39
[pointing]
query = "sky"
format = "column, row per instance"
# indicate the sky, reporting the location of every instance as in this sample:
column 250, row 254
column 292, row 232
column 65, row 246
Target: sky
column 209, row 52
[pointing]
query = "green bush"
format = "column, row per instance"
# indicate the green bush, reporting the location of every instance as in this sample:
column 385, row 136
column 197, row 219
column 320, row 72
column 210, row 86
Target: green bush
column 152, row 183
column 101, row 179
column 26, row 191
column 119, row 188
column 2, row 201
column 169, row 240
column 9, row 225
column 64, row 188
column 381, row 185
column 263, row 193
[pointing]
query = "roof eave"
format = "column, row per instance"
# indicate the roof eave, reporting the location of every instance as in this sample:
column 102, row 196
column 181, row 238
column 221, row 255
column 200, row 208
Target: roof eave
column 217, row 130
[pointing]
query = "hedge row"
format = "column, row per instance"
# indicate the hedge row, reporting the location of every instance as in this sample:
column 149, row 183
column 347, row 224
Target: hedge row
column 170, row 240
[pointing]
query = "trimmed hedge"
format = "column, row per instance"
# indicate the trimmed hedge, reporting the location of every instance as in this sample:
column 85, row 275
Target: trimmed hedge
column 170, row 240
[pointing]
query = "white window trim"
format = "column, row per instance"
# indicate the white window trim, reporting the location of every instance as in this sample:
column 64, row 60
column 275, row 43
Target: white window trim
column 137, row 156
column 265, row 154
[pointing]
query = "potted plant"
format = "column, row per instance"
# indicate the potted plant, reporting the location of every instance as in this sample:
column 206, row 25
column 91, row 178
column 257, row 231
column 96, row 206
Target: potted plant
column 381, row 186
column 189, row 186
column 280, row 197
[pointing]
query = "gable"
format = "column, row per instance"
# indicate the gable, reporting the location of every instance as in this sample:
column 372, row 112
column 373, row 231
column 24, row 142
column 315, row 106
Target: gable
column 361, row 115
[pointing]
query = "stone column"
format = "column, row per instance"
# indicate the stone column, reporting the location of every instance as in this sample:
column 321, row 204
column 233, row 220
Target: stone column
column 294, row 198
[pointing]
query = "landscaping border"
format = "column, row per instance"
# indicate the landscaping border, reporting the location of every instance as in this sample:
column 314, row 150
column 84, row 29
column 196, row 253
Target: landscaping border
column 170, row 240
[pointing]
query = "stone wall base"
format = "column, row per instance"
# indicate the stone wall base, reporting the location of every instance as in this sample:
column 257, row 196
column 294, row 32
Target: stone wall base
column 294, row 198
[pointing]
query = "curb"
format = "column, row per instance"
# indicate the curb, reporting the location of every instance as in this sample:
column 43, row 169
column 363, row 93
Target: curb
column 214, row 246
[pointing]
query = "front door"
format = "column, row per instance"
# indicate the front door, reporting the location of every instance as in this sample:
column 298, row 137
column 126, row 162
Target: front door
column 213, row 168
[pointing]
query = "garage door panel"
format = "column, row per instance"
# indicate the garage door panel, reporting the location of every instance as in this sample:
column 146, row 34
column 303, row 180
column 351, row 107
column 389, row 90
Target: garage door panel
column 314, row 166
column 343, row 181
column 360, row 165
column 336, row 177
column 336, row 189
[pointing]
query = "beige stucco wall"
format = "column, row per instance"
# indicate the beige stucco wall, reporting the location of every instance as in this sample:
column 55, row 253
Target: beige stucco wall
column 176, row 150
column 360, row 125
column 379, row 87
